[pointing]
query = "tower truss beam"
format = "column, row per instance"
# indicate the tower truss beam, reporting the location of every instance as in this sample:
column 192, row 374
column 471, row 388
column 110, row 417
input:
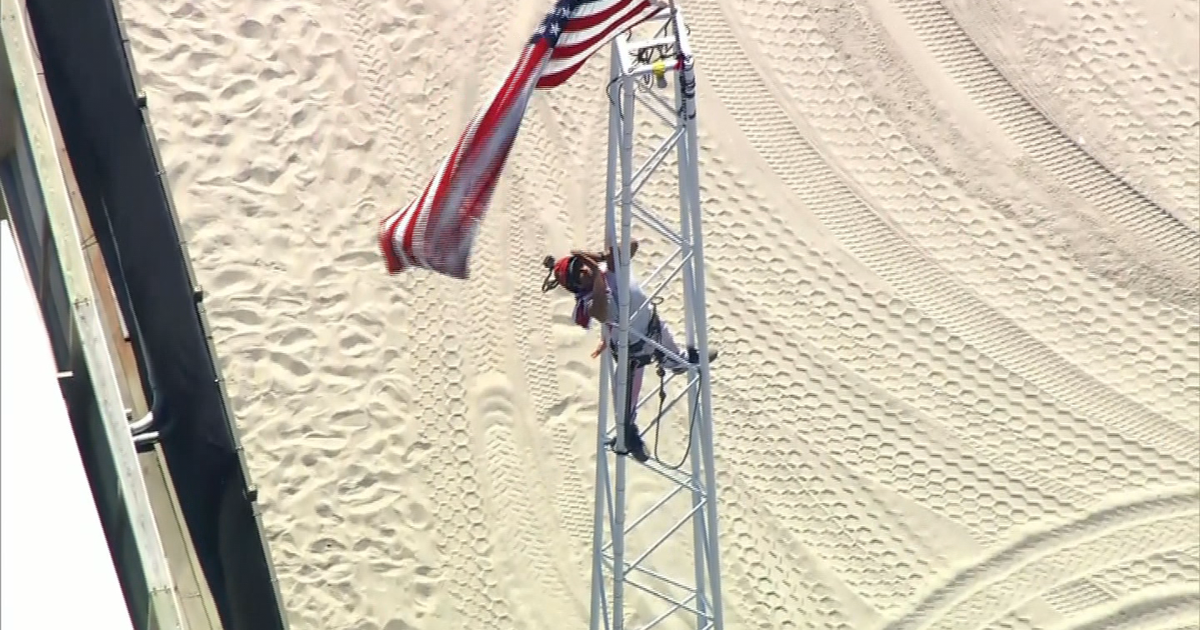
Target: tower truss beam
column 663, row 563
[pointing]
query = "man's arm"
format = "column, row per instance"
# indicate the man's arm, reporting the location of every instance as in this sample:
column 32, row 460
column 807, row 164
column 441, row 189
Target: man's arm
column 599, row 307
column 596, row 256
column 608, row 254
column 599, row 302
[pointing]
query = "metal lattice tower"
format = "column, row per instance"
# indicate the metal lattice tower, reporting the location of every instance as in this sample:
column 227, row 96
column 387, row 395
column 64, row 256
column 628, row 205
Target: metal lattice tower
column 654, row 570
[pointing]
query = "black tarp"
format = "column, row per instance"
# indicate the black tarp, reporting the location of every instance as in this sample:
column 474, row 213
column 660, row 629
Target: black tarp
column 106, row 131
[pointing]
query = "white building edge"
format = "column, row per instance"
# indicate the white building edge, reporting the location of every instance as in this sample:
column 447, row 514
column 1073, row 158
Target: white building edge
column 58, row 566
column 50, row 532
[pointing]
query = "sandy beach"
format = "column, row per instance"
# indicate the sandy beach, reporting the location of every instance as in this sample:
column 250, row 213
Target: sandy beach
column 953, row 255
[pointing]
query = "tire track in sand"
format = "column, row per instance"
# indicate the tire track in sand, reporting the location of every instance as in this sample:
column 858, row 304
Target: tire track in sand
column 926, row 376
column 524, row 533
column 955, row 202
column 844, row 420
column 748, row 321
column 1006, row 265
column 382, row 97
column 1108, row 68
column 534, row 333
column 1041, row 138
column 1072, row 559
column 512, row 450
column 1152, row 610
column 522, row 537
column 774, row 573
column 1128, row 575
column 442, row 415
column 1173, row 566
column 877, row 244
column 989, row 572
column 938, row 372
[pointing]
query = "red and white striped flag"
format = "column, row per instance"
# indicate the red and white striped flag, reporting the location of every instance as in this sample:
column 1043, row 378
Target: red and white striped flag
column 437, row 230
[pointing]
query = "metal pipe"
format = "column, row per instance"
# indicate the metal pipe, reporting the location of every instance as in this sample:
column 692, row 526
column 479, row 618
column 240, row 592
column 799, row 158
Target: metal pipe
column 143, row 424
column 686, row 228
column 666, row 598
column 599, row 521
column 656, row 223
column 653, row 277
column 663, row 538
column 656, row 159
column 623, row 374
column 146, row 438
column 645, row 515
column 705, row 429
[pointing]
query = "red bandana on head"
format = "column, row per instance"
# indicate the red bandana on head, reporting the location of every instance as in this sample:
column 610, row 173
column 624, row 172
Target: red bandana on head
column 563, row 269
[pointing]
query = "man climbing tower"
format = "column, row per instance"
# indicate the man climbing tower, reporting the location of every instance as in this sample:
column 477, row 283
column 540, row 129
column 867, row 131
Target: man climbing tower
column 581, row 274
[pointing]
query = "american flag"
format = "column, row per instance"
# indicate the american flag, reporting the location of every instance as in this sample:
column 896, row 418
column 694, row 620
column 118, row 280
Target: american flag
column 437, row 230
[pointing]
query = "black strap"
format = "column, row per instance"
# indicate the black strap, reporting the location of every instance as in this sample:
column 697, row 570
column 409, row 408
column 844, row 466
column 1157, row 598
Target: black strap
column 653, row 330
column 549, row 282
column 630, row 403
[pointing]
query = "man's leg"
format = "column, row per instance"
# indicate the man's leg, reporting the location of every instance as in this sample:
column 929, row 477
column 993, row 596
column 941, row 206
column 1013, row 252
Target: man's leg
column 690, row 356
column 633, row 390
column 668, row 341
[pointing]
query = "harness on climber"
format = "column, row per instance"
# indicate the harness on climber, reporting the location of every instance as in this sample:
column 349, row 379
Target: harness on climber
column 638, row 358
